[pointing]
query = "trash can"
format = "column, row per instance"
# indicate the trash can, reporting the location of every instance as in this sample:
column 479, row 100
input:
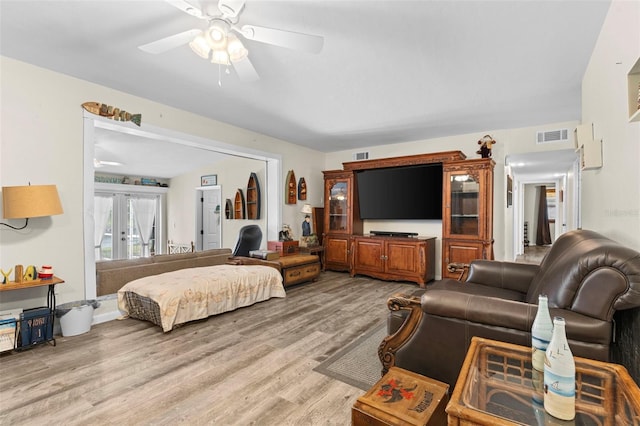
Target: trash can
column 76, row 317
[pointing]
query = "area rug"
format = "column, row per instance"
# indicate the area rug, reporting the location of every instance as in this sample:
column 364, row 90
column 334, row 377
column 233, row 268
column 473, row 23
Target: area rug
column 357, row 363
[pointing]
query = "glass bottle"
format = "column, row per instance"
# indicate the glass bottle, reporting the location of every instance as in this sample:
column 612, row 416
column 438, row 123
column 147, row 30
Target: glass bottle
column 559, row 375
column 541, row 332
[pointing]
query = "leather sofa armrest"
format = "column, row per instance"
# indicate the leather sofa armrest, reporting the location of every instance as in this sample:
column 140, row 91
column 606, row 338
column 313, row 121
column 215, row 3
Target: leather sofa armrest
column 508, row 275
column 390, row 344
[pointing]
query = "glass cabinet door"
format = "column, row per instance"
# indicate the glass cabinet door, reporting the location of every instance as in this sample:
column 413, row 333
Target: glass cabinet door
column 465, row 204
column 338, row 202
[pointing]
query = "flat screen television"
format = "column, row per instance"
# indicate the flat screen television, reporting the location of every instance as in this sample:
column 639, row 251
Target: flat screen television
column 408, row 192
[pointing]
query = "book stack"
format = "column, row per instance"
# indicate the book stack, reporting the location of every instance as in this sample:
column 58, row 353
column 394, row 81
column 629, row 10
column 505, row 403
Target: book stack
column 264, row 254
column 8, row 325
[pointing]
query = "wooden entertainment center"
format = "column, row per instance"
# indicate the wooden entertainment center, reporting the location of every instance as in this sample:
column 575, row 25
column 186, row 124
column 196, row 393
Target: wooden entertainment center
column 467, row 221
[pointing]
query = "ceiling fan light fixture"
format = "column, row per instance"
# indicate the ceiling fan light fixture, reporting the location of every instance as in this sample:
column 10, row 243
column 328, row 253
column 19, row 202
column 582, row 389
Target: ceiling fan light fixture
column 236, row 49
column 200, row 46
column 220, row 57
column 218, row 33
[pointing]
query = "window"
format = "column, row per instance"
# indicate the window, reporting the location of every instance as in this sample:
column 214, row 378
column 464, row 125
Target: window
column 126, row 224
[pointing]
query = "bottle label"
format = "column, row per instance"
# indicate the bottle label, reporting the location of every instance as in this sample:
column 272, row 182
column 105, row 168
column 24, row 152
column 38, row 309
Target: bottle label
column 559, row 395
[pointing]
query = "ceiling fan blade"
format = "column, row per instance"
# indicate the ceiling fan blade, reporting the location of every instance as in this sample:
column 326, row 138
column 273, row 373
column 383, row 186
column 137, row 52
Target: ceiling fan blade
column 245, row 70
column 171, row 42
column 289, row 39
column 187, row 8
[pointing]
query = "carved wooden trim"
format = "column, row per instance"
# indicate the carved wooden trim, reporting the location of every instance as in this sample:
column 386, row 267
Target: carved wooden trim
column 469, row 166
column 407, row 160
column 389, row 346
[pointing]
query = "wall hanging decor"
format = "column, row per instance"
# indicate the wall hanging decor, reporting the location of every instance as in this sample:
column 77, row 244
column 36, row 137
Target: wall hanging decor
column 209, row 180
column 290, row 190
column 108, row 111
column 228, row 209
column 239, row 205
column 253, row 197
column 302, row 189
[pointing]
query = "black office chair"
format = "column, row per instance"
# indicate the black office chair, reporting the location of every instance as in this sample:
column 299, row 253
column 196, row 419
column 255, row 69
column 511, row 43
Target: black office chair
column 250, row 238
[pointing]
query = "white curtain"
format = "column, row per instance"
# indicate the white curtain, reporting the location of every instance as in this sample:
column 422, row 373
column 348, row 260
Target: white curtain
column 102, row 206
column 144, row 210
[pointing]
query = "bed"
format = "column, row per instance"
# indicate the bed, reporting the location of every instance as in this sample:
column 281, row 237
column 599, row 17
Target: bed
column 177, row 297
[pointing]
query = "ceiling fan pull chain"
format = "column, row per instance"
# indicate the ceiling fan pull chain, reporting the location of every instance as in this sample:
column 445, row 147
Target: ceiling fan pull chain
column 219, row 77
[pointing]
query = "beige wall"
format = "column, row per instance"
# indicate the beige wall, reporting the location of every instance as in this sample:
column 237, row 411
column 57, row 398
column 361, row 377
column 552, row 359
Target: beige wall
column 611, row 196
column 42, row 143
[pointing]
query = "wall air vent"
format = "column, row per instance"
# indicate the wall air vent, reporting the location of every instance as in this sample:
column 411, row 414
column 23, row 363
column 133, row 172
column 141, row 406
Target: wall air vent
column 361, row 155
column 560, row 135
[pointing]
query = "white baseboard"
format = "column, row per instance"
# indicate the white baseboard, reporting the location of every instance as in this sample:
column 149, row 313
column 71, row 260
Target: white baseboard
column 106, row 316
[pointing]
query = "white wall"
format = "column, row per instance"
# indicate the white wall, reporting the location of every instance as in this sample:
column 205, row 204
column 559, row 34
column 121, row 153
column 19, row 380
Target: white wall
column 42, row 143
column 611, row 195
column 233, row 173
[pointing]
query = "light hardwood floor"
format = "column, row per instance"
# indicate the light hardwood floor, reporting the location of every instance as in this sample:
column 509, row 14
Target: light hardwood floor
column 250, row 366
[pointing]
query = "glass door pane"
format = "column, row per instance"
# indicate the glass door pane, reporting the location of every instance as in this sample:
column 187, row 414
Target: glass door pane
column 338, row 202
column 465, row 204
column 121, row 237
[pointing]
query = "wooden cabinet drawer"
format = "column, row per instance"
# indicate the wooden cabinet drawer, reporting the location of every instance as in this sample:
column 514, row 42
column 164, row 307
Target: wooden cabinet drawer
column 300, row 273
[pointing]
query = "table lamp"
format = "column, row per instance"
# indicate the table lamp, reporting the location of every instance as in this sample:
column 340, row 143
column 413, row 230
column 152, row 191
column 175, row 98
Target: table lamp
column 24, row 202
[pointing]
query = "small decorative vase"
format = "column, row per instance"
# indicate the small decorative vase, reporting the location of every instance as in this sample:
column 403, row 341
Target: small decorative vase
column 559, row 375
column 541, row 332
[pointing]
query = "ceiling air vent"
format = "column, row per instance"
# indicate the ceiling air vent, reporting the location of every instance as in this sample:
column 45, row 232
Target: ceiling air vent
column 560, row 135
column 361, row 155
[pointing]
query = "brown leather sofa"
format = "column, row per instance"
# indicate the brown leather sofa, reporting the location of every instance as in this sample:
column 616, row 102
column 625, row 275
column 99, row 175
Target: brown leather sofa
column 591, row 281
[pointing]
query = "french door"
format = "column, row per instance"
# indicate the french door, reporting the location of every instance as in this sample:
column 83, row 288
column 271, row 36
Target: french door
column 125, row 224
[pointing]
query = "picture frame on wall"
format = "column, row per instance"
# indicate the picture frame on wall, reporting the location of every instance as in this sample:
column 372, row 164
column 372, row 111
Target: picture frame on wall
column 509, row 191
column 209, row 180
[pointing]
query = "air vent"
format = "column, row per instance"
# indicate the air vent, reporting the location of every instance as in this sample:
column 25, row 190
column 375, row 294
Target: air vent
column 361, row 155
column 560, row 135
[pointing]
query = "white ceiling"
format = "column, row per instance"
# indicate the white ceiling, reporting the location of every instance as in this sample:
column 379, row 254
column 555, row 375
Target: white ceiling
column 390, row 71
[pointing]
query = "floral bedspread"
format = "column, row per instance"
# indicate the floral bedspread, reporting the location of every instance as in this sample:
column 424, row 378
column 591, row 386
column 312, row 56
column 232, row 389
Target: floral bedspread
column 196, row 293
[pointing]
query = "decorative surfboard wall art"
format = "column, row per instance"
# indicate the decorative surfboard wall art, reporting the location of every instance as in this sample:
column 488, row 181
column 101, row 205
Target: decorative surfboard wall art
column 302, row 189
column 290, row 189
column 239, row 205
column 228, row 209
column 253, row 197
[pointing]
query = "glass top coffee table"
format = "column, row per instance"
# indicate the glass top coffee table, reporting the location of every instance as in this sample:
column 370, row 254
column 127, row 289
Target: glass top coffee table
column 497, row 386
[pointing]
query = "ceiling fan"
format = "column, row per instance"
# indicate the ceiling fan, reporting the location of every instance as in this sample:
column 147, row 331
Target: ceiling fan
column 219, row 42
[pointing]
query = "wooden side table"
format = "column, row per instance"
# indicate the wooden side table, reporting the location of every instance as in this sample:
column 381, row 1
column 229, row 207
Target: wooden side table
column 402, row 397
column 51, row 295
column 497, row 386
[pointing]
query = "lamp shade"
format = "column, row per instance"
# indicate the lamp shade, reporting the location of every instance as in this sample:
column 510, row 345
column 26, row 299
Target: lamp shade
column 306, row 209
column 21, row 202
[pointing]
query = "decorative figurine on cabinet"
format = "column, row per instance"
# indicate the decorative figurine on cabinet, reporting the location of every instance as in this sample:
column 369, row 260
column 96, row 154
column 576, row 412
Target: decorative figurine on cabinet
column 486, row 143
column 285, row 234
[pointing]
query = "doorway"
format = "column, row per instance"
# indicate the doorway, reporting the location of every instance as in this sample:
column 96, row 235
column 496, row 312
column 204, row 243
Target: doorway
column 209, row 218
column 126, row 224
column 559, row 170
